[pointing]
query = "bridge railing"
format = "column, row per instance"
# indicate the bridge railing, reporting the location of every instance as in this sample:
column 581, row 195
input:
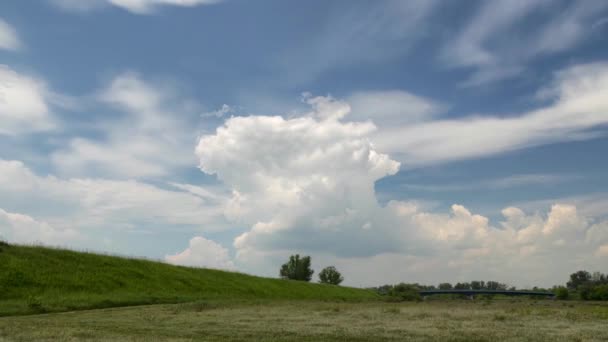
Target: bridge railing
column 487, row 292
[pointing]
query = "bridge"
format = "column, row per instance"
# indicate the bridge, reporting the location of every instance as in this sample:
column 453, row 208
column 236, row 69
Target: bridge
column 472, row 293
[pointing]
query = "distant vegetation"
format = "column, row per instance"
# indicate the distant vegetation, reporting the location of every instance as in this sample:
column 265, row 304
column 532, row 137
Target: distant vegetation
column 39, row 279
column 589, row 286
column 582, row 285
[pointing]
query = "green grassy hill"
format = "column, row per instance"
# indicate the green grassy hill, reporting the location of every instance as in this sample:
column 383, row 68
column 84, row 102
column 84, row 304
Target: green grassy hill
column 40, row 279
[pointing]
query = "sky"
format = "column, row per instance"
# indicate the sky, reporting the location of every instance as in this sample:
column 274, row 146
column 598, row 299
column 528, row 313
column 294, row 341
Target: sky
column 400, row 141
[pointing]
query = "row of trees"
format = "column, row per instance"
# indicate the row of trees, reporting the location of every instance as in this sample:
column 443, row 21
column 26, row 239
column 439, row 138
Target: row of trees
column 473, row 285
column 298, row 268
column 582, row 285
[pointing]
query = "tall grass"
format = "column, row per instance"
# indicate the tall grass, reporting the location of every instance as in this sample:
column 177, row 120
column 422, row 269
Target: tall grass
column 40, row 279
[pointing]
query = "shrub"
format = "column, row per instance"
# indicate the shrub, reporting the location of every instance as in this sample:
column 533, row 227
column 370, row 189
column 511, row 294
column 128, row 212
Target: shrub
column 561, row 293
column 599, row 292
column 35, row 304
column 406, row 292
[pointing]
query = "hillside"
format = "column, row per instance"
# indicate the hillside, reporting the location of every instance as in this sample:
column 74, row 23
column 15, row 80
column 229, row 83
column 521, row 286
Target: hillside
column 40, row 279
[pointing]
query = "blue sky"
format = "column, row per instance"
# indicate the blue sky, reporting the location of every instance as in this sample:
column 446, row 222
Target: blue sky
column 374, row 136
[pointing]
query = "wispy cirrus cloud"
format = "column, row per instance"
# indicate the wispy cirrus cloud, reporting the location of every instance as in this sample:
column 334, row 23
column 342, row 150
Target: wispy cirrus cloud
column 133, row 6
column 486, row 44
column 9, row 40
column 151, row 138
column 358, row 33
column 85, row 203
column 579, row 105
column 497, row 183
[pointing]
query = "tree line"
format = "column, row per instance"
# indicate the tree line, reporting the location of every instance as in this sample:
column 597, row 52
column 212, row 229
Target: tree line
column 582, row 284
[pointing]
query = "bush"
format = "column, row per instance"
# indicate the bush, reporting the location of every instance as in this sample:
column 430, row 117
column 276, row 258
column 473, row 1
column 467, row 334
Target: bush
column 584, row 291
column 599, row 292
column 561, row 293
column 405, row 292
column 35, row 304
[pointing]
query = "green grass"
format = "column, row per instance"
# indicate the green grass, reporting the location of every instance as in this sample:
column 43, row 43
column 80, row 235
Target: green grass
column 39, row 279
column 441, row 320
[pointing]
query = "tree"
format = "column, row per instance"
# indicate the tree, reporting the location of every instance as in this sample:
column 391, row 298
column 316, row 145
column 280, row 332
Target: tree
column 462, row 286
column 297, row 268
column 579, row 278
column 445, row 286
column 330, row 275
column 477, row 285
column 494, row 285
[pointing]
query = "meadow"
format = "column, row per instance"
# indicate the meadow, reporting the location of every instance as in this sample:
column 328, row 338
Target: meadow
column 446, row 320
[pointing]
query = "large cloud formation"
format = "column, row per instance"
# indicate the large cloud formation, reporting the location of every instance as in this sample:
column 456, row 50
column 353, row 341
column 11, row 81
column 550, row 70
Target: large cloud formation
column 300, row 182
column 306, row 184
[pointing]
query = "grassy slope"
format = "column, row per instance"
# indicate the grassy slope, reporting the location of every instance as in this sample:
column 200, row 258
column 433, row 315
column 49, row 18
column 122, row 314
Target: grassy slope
column 38, row 279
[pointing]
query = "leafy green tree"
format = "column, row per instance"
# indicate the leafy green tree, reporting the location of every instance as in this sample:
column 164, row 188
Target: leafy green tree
column 579, row 278
column 297, row 268
column 330, row 275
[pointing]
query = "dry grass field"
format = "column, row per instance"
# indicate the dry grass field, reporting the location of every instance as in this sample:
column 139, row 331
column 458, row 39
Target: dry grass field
column 446, row 320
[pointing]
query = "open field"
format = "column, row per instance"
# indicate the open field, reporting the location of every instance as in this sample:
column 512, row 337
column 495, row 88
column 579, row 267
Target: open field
column 450, row 320
column 38, row 284
column 39, row 280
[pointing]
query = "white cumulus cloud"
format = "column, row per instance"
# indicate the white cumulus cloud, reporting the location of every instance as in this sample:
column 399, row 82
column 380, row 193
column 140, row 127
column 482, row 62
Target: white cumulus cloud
column 289, row 175
column 24, row 104
column 19, row 228
column 202, row 252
